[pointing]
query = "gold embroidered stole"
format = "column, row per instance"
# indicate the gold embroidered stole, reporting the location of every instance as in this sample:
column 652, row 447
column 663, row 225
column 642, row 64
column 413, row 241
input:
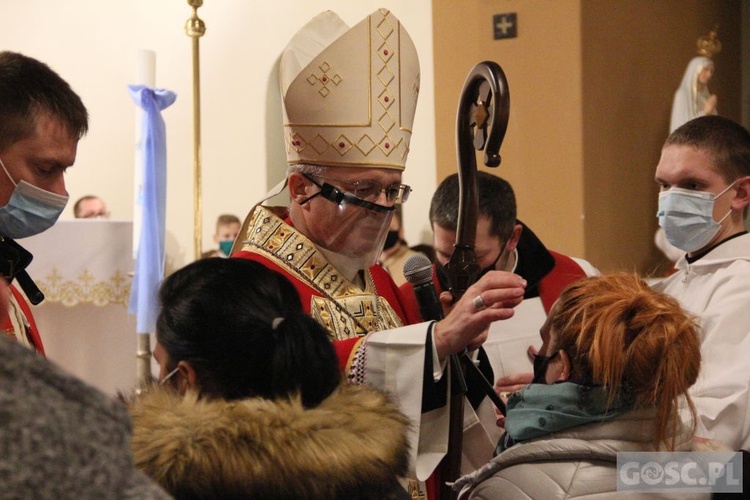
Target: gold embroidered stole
column 342, row 307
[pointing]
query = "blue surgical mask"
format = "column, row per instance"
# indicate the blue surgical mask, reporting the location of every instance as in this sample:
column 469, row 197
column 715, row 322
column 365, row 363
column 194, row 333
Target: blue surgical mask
column 225, row 246
column 30, row 210
column 687, row 217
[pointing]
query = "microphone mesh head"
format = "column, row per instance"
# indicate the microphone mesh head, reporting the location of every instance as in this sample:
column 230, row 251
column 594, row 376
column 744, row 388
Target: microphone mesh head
column 418, row 269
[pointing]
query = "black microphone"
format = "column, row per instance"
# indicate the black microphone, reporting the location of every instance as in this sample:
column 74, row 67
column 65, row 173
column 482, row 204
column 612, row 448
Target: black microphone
column 418, row 272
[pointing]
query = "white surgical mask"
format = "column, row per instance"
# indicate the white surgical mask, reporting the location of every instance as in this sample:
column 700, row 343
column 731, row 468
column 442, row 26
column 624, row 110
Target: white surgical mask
column 30, row 209
column 687, row 217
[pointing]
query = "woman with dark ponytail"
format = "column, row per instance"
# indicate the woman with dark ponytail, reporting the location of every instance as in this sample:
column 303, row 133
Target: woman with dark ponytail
column 250, row 401
column 612, row 375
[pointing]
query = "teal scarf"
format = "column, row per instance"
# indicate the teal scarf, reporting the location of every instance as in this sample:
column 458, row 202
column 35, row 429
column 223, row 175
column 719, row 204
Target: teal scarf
column 541, row 409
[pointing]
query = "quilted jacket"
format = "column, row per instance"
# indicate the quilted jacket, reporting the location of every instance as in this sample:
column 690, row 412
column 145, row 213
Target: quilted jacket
column 574, row 463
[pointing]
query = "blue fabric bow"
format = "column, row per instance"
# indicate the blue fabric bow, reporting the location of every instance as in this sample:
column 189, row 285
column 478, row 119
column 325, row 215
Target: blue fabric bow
column 149, row 266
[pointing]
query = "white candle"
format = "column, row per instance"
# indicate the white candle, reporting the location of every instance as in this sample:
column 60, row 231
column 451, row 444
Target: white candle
column 145, row 68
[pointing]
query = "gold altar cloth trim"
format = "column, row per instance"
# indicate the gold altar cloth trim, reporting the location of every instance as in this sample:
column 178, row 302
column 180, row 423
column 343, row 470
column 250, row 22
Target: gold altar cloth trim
column 83, row 261
column 85, row 288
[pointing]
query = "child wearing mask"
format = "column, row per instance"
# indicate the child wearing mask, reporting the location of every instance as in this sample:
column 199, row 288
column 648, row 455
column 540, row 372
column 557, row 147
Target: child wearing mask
column 227, row 228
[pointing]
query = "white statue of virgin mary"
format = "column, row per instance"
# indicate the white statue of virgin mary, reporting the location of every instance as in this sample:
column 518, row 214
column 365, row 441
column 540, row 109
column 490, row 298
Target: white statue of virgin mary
column 693, row 99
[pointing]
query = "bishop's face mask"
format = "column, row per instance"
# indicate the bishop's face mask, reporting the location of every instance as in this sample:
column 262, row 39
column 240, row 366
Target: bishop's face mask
column 353, row 223
column 687, row 217
column 30, row 210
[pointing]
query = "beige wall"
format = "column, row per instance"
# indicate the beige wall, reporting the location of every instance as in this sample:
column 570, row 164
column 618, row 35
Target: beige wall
column 539, row 158
column 93, row 45
column 591, row 85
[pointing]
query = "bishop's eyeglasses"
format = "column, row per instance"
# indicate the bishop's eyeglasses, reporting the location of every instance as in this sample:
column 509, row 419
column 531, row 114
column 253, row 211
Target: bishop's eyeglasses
column 370, row 190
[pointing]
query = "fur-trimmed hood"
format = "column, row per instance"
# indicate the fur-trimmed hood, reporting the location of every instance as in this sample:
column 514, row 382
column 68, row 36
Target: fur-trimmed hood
column 353, row 445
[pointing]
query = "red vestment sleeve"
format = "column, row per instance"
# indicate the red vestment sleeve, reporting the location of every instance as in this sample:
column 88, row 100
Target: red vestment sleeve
column 34, row 336
column 565, row 272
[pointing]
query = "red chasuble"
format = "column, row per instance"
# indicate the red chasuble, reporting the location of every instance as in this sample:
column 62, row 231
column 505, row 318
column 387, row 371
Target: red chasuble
column 343, row 308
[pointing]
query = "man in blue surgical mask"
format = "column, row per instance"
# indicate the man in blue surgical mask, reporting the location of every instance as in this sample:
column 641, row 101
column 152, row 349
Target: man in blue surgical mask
column 41, row 121
column 704, row 180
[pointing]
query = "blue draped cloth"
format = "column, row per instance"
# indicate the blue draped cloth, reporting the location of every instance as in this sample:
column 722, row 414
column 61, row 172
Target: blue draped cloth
column 150, row 256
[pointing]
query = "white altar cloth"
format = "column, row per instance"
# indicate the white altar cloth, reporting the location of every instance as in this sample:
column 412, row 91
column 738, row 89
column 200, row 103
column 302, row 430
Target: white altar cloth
column 84, row 268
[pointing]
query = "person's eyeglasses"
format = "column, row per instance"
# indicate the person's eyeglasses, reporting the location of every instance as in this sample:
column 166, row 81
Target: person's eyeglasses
column 370, row 190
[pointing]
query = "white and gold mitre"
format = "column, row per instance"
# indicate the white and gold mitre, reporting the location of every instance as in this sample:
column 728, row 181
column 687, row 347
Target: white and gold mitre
column 349, row 94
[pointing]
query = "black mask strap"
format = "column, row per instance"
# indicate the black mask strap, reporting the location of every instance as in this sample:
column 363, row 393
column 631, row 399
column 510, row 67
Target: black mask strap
column 491, row 267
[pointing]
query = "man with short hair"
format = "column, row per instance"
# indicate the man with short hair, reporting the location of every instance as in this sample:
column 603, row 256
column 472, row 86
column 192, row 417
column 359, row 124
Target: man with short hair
column 41, row 121
column 504, row 243
column 704, row 180
column 349, row 97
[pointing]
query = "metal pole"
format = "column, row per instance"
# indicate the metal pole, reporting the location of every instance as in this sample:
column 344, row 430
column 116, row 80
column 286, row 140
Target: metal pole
column 143, row 360
column 195, row 28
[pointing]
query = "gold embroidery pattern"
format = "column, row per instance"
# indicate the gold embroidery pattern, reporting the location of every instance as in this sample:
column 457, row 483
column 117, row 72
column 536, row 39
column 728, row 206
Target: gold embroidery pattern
column 417, row 490
column 344, row 309
column 343, row 144
column 341, row 326
column 85, row 288
column 324, row 79
column 386, row 76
